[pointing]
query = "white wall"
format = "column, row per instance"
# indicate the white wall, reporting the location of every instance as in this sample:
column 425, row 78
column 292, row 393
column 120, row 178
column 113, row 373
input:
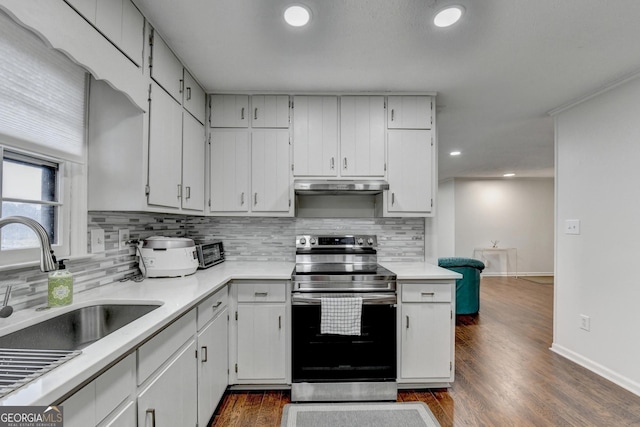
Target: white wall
column 598, row 182
column 446, row 219
column 516, row 212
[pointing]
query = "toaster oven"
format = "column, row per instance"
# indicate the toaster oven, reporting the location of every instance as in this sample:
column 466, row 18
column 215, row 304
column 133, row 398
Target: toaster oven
column 209, row 253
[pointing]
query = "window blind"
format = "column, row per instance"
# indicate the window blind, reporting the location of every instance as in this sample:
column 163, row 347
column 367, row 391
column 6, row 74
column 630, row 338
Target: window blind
column 42, row 95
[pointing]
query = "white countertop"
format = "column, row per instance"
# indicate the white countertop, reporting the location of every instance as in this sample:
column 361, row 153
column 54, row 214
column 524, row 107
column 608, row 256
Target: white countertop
column 176, row 296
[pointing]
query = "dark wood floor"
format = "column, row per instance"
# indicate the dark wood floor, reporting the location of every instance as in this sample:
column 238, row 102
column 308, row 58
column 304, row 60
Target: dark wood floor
column 505, row 373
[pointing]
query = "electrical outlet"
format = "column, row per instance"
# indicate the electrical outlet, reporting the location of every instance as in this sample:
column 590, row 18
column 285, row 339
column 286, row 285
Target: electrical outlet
column 572, row 226
column 97, row 241
column 123, row 238
column 585, row 322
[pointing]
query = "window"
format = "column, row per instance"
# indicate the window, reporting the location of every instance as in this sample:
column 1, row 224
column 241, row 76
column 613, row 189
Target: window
column 29, row 188
column 42, row 146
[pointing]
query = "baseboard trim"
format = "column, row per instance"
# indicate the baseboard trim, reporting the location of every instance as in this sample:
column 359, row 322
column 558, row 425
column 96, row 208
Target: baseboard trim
column 597, row 368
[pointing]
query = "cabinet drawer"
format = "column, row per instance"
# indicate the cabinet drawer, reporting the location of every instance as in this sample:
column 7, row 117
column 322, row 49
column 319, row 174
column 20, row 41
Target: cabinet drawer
column 210, row 307
column 155, row 352
column 426, row 292
column 262, row 292
column 114, row 386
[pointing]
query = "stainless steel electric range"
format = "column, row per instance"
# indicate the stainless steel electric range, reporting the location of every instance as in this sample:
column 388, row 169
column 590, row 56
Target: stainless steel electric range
column 360, row 365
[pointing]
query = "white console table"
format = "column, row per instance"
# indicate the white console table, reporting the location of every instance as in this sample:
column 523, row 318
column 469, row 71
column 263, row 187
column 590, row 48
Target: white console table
column 510, row 256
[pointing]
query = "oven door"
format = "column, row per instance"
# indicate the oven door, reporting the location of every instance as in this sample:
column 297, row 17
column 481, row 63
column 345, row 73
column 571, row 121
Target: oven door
column 369, row 357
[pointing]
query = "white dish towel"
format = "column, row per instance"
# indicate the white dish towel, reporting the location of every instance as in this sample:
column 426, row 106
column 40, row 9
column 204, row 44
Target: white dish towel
column 340, row 315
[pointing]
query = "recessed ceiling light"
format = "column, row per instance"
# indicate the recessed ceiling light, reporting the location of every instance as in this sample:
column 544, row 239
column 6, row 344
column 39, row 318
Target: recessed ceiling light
column 448, row 16
column 297, row 15
column 455, row 153
column 507, row 175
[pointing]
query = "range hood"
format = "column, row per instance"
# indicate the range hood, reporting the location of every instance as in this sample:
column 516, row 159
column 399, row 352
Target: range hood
column 339, row 186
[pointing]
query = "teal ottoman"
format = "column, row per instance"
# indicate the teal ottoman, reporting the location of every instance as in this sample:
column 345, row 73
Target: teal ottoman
column 467, row 288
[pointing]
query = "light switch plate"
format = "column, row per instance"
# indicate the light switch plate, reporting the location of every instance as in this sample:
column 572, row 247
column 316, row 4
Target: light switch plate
column 97, row 241
column 572, row 226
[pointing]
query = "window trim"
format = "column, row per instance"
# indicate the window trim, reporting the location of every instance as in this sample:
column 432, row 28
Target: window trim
column 71, row 191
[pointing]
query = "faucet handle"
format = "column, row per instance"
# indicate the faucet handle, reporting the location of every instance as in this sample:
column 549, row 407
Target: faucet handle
column 6, row 309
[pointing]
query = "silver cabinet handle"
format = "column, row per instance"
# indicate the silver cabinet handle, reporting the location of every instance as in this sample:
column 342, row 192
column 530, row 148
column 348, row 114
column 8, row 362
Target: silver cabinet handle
column 188, row 94
column 242, row 198
column 179, row 191
column 204, row 354
column 242, row 114
column 188, row 192
column 345, row 163
column 153, row 416
column 428, row 294
column 332, row 163
column 407, row 322
column 279, row 322
column 216, row 305
column 255, row 199
column 393, row 113
column 255, row 113
column 261, row 294
column 393, row 198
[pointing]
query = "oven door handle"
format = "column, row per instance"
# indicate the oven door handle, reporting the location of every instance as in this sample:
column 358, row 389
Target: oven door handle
column 305, row 299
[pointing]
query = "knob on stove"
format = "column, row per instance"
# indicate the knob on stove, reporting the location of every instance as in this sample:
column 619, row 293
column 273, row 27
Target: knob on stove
column 303, row 240
column 360, row 241
column 312, row 240
column 370, row 241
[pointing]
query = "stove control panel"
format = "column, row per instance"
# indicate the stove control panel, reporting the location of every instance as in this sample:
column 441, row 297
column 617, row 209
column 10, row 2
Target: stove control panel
column 336, row 242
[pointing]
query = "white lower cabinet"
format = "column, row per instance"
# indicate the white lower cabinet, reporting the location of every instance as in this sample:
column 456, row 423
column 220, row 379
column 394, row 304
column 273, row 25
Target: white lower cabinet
column 104, row 399
column 170, row 399
column 213, row 351
column 427, row 327
column 260, row 333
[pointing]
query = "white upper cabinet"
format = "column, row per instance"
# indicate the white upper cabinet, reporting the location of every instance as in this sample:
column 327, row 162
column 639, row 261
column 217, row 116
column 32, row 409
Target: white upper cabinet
column 229, row 111
column 315, row 135
column 193, row 163
column 118, row 20
column 270, row 184
column 86, row 8
column 362, row 136
column 165, row 150
column 132, row 40
column 410, row 172
column 270, row 111
column 229, row 174
column 193, row 97
column 410, row 112
column 166, row 69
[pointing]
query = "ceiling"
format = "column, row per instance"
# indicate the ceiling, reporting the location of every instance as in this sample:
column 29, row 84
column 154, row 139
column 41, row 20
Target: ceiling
column 497, row 72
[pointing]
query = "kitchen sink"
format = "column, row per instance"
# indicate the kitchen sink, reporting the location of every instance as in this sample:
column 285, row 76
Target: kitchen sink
column 35, row 350
column 76, row 329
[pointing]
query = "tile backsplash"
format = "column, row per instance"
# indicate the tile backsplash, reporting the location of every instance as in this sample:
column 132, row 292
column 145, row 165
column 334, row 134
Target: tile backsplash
column 245, row 239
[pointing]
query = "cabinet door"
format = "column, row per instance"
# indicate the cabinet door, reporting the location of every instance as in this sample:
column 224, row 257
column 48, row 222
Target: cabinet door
column 229, row 111
column 166, row 69
column 193, row 161
column 193, row 97
column 270, row 111
column 125, row 418
column 80, row 409
column 86, row 8
column 165, row 149
column 261, row 342
column 410, row 171
column 270, row 171
column 315, row 135
column 132, row 41
column 212, row 366
column 409, row 112
column 229, row 173
column 426, row 340
column 109, row 19
column 362, row 135
column 171, row 398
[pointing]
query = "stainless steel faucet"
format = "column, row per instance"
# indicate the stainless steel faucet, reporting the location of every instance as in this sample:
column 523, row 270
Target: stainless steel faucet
column 47, row 259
